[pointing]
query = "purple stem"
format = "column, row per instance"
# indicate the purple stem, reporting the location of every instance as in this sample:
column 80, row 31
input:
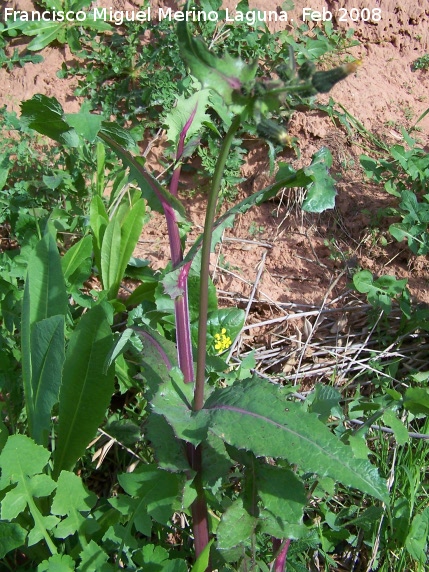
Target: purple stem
column 183, row 332
column 183, row 327
column 184, row 346
column 186, row 364
column 181, row 310
column 282, row 547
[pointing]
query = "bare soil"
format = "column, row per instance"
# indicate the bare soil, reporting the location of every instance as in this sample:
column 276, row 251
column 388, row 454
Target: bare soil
column 299, row 256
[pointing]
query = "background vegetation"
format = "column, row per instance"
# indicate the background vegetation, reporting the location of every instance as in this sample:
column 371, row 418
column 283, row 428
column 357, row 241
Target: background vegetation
column 329, row 479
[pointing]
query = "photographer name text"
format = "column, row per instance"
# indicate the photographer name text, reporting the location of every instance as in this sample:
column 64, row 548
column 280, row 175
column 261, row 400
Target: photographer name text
column 251, row 17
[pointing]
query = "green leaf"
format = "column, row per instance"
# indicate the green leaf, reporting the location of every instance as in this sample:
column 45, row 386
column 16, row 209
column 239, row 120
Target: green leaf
column 169, row 452
column 154, row 558
column 203, row 559
column 229, row 319
column 194, row 281
column 380, row 292
column 152, row 191
column 216, row 463
column 401, row 519
column 117, row 137
column 75, row 258
column 416, row 400
column 225, row 75
column 45, row 115
column 321, row 192
column 57, row 563
column 255, row 415
column 130, row 230
column 325, row 400
column 32, row 460
column 38, row 533
column 158, row 357
column 45, row 32
column 235, row 531
column 4, row 171
column 190, row 111
column 145, row 292
column 86, row 124
column 399, row 429
column 417, row 539
column 46, row 291
column 174, row 401
column 111, row 256
column 175, row 565
column 283, row 499
column 119, row 347
column 22, row 463
column 99, row 220
column 45, row 304
column 158, row 491
column 93, row 557
column 71, row 499
column 72, row 38
column 12, row 536
column 86, row 390
column 47, row 358
column 136, row 514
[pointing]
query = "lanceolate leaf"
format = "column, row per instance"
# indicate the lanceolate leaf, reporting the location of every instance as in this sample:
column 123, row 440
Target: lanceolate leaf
column 131, row 227
column 86, row 390
column 99, row 220
column 203, row 559
column 77, row 263
column 76, row 256
column 47, row 291
column 255, row 415
column 149, row 186
column 42, row 338
column 110, row 256
column 47, row 358
column 45, row 32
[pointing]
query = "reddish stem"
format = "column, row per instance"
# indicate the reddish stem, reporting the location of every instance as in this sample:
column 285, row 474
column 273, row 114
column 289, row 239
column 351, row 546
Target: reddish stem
column 282, row 547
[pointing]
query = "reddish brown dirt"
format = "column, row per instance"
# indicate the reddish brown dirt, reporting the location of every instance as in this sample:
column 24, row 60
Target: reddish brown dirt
column 383, row 95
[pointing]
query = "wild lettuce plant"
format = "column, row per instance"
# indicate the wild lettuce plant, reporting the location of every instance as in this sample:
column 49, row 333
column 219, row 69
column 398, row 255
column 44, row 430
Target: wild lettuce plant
column 236, row 455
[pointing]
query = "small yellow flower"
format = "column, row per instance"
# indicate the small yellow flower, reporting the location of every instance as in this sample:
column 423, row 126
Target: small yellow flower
column 222, row 341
